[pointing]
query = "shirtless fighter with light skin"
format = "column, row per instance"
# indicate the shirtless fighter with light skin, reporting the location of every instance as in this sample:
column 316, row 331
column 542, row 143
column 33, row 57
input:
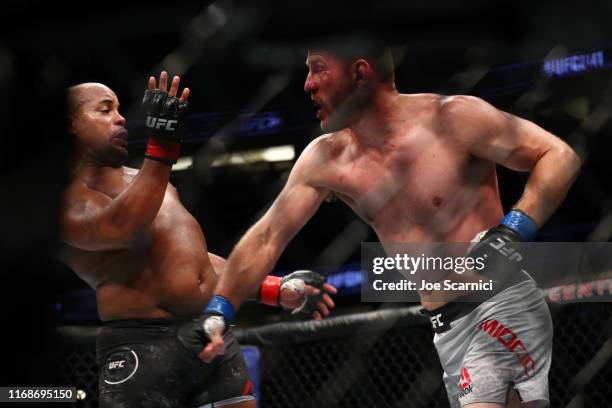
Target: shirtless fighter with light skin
column 418, row 168
column 128, row 236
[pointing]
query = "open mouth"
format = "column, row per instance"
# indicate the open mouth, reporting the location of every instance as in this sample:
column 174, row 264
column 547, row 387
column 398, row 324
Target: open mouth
column 318, row 106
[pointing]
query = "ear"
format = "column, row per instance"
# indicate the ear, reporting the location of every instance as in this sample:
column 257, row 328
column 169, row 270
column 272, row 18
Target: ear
column 362, row 71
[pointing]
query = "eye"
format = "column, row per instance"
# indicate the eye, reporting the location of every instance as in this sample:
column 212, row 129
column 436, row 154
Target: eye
column 317, row 68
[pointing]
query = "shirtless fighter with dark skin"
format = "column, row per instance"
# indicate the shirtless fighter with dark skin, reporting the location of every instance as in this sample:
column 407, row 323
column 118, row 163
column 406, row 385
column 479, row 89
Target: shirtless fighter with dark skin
column 127, row 235
column 420, row 168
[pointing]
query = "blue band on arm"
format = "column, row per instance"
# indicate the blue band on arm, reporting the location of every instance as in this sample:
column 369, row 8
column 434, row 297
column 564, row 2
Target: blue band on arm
column 219, row 304
column 521, row 223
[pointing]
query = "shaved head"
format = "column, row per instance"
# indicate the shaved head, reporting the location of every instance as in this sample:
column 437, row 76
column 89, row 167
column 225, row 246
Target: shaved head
column 97, row 125
column 80, row 94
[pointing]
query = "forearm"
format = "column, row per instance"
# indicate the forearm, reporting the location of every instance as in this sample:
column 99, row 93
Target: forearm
column 248, row 265
column 258, row 251
column 133, row 211
column 219, row 266
column 549, row 182
column 139, row 204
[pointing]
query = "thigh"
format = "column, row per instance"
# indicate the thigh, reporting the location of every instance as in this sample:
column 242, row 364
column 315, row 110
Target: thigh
column 514, row 401
column 504, row 344
column 511, row 350
column 532, row 381
column 140, row 375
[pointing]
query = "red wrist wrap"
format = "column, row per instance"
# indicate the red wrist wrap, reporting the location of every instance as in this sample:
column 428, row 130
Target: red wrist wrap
column 270, row 290
column 163, row 150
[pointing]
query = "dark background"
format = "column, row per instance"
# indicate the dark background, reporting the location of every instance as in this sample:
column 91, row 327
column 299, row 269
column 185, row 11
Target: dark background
column 242, row 57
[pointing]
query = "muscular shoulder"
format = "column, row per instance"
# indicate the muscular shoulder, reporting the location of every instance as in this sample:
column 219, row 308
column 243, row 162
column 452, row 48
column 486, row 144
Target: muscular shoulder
column 78, row 198
column 318, row 159
column 326, row 147
column 465, row 116
column 457, row 108
column 460, row 104
column 76, row 189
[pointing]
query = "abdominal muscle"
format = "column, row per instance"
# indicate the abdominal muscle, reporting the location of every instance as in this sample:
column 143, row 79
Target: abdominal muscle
column 459, row 228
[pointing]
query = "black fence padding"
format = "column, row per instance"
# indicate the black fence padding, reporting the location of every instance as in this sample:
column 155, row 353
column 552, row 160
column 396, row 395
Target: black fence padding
column 309, row 330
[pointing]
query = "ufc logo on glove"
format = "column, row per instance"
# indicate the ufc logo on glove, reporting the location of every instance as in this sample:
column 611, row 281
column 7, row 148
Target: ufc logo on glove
column 159, row 123
column 510, row 253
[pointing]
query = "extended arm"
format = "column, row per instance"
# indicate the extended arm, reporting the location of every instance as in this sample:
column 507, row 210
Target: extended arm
column 291, row 292
column 257, row 252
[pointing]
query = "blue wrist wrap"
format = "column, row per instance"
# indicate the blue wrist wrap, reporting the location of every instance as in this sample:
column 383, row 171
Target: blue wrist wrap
column 521, row 223
column 220, row 305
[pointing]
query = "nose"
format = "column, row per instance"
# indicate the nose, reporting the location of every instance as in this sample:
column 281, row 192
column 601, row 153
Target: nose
column 310, row 85
column 119, row 120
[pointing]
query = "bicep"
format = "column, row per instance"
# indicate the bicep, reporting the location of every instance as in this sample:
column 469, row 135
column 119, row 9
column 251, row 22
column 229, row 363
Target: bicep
column 294, row 206
column 503, row 138
column 519, row 145
column 300, row 198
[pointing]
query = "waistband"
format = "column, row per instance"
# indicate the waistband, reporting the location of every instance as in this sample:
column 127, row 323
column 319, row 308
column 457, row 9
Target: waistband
column 442, row 317
column 148, row 322
column 122, row 332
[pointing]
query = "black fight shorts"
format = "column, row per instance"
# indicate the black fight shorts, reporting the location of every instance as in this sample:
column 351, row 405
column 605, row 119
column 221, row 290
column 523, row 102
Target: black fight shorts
column 144, row 363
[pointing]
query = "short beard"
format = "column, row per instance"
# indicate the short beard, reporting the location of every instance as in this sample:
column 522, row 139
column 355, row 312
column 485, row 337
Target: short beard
column 348, row 111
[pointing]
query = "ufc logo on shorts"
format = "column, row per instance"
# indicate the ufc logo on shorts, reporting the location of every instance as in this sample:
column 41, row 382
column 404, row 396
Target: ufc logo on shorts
column 156, row 123
column 509, row 253
column 435, row 321
column 116, row 364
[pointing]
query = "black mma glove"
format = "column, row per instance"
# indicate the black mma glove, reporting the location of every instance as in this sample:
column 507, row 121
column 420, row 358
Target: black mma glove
column 164, row 119
column 295, row 281
column 270, row 290
column 216, row 319
column 497, row 246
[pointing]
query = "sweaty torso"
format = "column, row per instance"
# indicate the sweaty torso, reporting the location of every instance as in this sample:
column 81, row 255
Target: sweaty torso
column 167, row 273
column 417, row 185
